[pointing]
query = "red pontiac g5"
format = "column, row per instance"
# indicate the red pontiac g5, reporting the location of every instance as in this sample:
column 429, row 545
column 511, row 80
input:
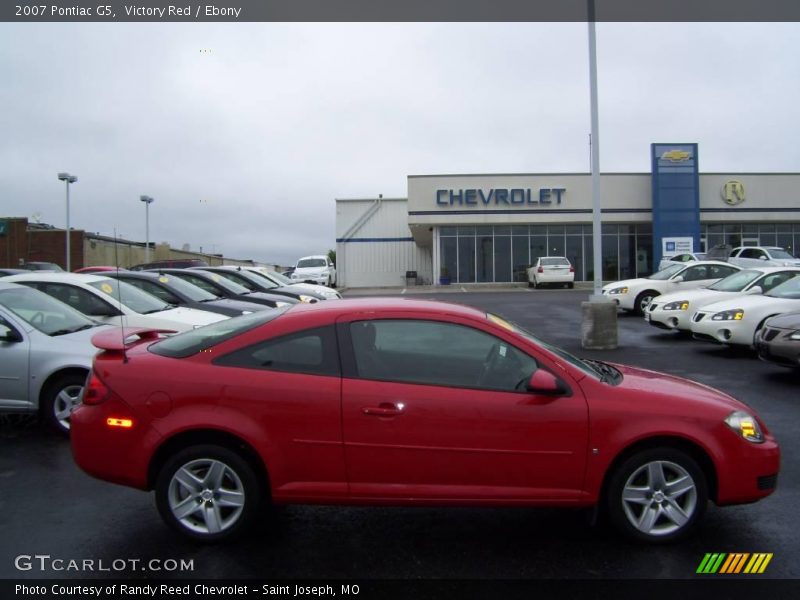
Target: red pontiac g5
column 404, row 402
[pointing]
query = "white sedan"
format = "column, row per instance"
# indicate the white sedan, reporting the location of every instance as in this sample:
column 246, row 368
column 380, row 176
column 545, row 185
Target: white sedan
column 551, row 269
column 115, row 302
column 636, row 294
column 680, row 258
column 278, row 279
column 674, row 310
column 737, row 321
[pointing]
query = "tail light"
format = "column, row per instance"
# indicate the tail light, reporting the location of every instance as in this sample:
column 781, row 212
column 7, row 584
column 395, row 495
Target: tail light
column 571, row 269
column 95, row 391
column 540, row 270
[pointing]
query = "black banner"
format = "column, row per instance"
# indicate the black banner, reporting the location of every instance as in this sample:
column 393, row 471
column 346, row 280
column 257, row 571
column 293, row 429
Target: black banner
column 185, row 11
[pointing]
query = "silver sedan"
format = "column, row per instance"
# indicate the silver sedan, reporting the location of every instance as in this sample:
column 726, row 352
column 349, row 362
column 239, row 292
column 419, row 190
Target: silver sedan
column 45, row 354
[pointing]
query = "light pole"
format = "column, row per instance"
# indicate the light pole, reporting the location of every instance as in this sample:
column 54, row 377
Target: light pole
column 67, row 178
column 147, row 202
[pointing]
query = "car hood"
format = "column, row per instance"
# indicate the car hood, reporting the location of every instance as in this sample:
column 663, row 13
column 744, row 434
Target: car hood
column 190, row 316
column 786, row 321
column 311, row 271
column 626, row 283
column 695, row 295
column 320, row 290
column 643, row 383
column 752, row 302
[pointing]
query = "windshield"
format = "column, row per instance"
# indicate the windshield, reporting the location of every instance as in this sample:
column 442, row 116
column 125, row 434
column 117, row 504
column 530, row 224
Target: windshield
column 189, row 290
column 736, row 282
column 205, row 282
column 132, row 297
column 668, row 272
column 789, row 290
column 311, row 262
column 571, row 359
column 274, row 277
column 777, row 253
column 202, row 338
column 43, row 312
column 250, row 280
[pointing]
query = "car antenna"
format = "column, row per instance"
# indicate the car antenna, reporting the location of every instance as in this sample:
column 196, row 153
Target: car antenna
column 119, row 298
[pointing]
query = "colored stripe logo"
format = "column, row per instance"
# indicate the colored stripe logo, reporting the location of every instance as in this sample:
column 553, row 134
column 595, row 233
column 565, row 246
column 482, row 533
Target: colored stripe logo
column 734, row 563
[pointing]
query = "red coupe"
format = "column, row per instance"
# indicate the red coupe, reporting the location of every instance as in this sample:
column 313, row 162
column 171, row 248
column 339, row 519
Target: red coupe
column 404, row 402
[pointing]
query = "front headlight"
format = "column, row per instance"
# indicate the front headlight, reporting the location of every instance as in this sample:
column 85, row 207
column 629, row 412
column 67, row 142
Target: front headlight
column 795, row 336
column 679, row 305
column 279, row 304
column 745, row 425
column 307, row 299
column 736, row 314
column 619, row 290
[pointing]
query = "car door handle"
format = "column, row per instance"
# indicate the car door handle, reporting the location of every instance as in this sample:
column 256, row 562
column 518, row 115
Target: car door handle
column 384, row 409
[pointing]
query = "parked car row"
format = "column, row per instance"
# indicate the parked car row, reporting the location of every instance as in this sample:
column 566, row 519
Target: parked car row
column 756, row 307
column 44, row 356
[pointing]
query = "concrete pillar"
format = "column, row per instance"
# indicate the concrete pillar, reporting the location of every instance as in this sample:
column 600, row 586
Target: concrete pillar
column 599, row 324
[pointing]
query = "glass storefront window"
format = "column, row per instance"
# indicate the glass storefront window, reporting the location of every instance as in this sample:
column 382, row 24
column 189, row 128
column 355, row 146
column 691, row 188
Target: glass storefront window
column 519, row 257
column 484, row 256
column 502, row 257
column 466, row 259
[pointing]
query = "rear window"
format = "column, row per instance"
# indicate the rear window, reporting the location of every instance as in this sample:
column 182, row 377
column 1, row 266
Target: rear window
column 196, row 340
column 555, row 261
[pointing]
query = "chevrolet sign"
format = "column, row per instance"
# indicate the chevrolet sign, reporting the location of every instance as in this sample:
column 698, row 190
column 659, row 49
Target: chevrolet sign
column 676, row 156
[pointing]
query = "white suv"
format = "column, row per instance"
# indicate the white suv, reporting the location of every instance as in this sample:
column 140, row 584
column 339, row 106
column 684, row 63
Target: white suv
column 762, row 256
column 315, row 269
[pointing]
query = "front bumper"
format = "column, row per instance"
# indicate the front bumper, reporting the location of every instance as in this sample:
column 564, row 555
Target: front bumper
column 667, row 319
column 774, row 345
column 749, row 473
column 722, row 332
column 624, row 301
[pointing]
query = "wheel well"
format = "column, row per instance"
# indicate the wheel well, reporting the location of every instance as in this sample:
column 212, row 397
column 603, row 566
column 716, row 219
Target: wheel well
column 696, row 452
column 57, row 375
column 653, row 293
column 207, row 436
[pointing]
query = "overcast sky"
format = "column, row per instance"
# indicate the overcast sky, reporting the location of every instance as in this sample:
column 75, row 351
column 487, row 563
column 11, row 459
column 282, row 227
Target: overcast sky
column 246, row 133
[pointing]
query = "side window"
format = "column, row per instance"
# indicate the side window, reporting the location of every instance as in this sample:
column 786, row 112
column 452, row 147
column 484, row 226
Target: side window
column 696, row 273
column 156, row 290
column 775, row 279
column 720, row 271
column 436, row 353
column 79, row 299
column 312, row 352
column 752, row 253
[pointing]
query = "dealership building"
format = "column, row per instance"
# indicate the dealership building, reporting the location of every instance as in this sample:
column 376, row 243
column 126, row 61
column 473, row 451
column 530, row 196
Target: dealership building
column 488, row 228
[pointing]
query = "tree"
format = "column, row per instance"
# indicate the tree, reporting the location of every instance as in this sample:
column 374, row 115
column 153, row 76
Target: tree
column 332, row 256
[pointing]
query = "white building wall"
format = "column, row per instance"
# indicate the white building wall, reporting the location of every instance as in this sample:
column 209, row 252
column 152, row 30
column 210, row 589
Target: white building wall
column 374, row 247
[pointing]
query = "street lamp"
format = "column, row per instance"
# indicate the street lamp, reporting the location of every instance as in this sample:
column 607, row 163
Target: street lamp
column 67, row 178
column 147, row 202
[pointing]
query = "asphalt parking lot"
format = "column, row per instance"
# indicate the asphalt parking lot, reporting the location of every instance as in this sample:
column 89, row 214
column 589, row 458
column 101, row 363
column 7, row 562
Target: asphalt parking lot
column 47, row 506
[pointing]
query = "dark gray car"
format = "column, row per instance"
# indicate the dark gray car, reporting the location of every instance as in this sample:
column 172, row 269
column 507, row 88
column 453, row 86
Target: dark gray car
column 779, row 340
column 177, row 291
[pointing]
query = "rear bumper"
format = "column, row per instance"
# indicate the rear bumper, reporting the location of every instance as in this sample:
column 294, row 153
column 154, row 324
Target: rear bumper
column 115, row 454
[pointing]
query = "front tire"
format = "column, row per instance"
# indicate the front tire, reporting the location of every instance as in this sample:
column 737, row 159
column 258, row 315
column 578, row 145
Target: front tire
column 642, row 301
column 657, row 495
column 208, row 493
column 60, row 399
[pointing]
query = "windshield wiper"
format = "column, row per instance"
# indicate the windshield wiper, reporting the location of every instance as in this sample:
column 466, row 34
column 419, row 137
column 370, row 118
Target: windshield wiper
column 608, row 374
column 73, row 330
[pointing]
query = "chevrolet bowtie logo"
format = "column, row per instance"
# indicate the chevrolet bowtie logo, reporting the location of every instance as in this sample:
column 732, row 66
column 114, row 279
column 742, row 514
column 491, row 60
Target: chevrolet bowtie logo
column 676, row 155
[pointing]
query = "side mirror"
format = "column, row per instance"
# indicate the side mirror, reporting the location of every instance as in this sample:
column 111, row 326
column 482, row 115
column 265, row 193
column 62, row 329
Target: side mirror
column 756, row 289
column 545, row 383
column 678, row 279
column 9, row 334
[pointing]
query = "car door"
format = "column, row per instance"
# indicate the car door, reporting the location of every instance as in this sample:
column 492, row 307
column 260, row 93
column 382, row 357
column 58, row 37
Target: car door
column 15, row 352
column 438, row 411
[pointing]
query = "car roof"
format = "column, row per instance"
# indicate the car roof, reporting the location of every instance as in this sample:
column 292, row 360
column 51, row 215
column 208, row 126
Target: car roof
column 62, row 277
column 7, row 285
column 313, row 256
column 377, row 305
column 758, row 248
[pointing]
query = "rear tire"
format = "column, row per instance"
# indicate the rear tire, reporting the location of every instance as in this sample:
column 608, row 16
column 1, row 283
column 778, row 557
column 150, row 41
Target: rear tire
column 60, row 399
column 208, row 493
column 657, row 495
column 571, row 285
